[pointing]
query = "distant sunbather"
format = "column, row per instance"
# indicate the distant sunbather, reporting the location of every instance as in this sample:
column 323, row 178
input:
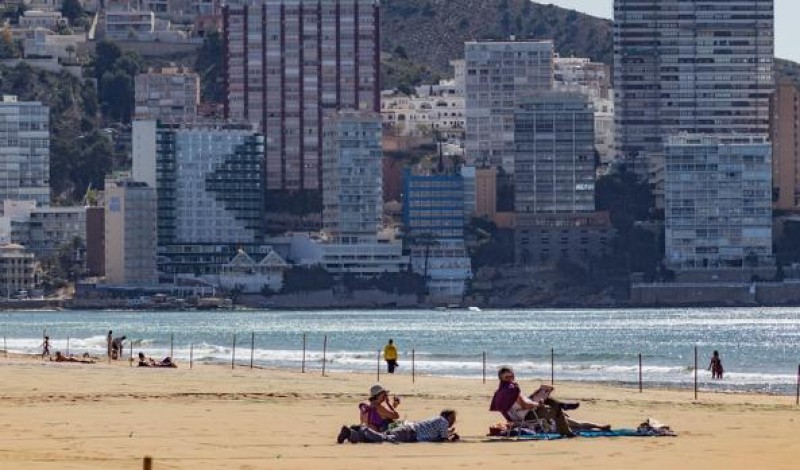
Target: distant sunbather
column 145, row 361
column 62, row 358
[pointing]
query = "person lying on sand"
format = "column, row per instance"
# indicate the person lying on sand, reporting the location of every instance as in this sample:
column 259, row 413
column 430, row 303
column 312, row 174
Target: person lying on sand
column 145, row 361
column 62, row 358
column 437, row 429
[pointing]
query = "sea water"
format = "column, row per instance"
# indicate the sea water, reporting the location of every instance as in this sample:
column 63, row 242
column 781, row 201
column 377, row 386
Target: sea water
column 760, row 347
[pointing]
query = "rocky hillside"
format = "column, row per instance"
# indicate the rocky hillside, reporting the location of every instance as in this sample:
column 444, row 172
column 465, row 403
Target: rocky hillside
column 420, row 37
column 430, row 33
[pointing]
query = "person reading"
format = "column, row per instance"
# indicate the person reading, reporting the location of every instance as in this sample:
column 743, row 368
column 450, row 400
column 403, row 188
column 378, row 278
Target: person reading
column 516, row 408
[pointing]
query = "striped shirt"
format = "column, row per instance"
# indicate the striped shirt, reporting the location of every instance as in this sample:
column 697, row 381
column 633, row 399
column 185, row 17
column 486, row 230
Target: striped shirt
column 434, row 429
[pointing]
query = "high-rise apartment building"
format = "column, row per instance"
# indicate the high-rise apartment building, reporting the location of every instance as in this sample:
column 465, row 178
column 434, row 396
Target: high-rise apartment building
column 690, row 66
column 24, row 151
column 168, row 94
column 210, row 185
column 718, row 206
column 287, row 63
column 352, row 189
column 555, row 164
column 785, row 135
column 497, row 75
column 130, row 241
column 554, row 181
column 434, row 207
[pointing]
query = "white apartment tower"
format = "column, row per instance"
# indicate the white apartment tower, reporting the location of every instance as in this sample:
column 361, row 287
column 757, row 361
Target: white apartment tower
column 497, row 75
column 690, row 66
column 287, row 64
column 353, row 186
column 24, row 151
column 718, row 201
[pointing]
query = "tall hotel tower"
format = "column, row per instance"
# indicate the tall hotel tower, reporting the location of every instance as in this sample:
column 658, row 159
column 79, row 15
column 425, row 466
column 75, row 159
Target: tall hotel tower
column 690, row 66
column 288, row 63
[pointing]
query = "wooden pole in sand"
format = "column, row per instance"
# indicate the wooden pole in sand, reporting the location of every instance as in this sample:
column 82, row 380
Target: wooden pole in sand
column 413, row 366
column 303, row 361
column 191, row 355
column 378, row 365
column 695, row 372
column 484, row 367
column 130, row 359
column 5, row 348
column 324, row 353
column 552, row 366
column 147, row 463
column 797, row 395
column 640, row 372
column 252, row 347
column 172, row 345
column 233, row 352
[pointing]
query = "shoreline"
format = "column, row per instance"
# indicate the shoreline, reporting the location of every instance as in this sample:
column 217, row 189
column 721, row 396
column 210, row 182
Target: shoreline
column 465, row 308
column 667, row 387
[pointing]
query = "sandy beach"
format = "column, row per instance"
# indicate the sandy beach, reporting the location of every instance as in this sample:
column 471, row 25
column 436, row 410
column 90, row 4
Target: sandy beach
column 78, row 416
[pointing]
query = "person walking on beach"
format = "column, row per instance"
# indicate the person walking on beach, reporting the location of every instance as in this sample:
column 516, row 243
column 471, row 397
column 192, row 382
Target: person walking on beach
column 109, row 340
column 46, row 347
column 716, row 366
column 390, row 356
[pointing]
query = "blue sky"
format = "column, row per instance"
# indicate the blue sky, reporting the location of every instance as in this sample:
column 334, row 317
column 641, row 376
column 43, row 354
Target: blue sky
column 787, row 34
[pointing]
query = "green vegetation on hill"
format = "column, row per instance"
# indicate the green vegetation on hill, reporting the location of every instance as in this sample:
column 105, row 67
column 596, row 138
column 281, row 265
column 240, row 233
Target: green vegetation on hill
column 80, row 154
column 431, row 33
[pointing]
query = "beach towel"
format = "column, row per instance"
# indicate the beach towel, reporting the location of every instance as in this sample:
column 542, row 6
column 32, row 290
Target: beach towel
column 522, row 434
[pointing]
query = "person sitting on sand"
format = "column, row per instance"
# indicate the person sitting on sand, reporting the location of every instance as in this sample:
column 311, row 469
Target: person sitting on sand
column 379, row 413
column 509, row 401
column 437, row 429
column 62, row 358
column 145, row 361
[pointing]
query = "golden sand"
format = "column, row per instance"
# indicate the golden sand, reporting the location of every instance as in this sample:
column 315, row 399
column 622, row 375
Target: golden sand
column 100, row 416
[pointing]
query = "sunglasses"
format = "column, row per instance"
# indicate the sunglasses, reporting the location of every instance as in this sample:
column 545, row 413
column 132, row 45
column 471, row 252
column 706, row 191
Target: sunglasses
column 507, row 377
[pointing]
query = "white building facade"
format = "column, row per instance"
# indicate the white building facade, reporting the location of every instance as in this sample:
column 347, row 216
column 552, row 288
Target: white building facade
column 24, row 151
column 353, row 198
column 718, row 201
column 497, row 74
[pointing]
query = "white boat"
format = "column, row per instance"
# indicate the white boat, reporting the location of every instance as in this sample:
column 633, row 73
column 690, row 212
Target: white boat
column 474, row 309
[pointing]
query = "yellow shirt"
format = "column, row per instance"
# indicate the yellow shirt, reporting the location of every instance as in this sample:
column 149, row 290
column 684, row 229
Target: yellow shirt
column 390, row 352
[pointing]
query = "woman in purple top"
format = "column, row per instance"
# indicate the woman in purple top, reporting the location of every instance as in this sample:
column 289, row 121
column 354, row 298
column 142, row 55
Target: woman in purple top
column 379, row 413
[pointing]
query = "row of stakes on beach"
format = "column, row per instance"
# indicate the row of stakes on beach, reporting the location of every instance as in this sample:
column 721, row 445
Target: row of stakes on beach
column 378, row 360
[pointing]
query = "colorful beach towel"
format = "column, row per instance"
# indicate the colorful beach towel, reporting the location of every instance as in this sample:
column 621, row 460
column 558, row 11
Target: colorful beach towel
column 530, row 436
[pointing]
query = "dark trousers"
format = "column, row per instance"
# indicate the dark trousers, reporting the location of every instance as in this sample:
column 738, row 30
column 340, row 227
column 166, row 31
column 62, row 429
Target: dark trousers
column 391, row 365
column 551, row 410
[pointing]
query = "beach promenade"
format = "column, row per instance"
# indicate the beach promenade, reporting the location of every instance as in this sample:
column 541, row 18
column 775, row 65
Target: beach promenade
column 98, row 416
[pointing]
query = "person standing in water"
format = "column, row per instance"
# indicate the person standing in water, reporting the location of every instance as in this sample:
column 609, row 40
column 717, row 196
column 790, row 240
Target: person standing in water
column 716, row 366
column 390, row 356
